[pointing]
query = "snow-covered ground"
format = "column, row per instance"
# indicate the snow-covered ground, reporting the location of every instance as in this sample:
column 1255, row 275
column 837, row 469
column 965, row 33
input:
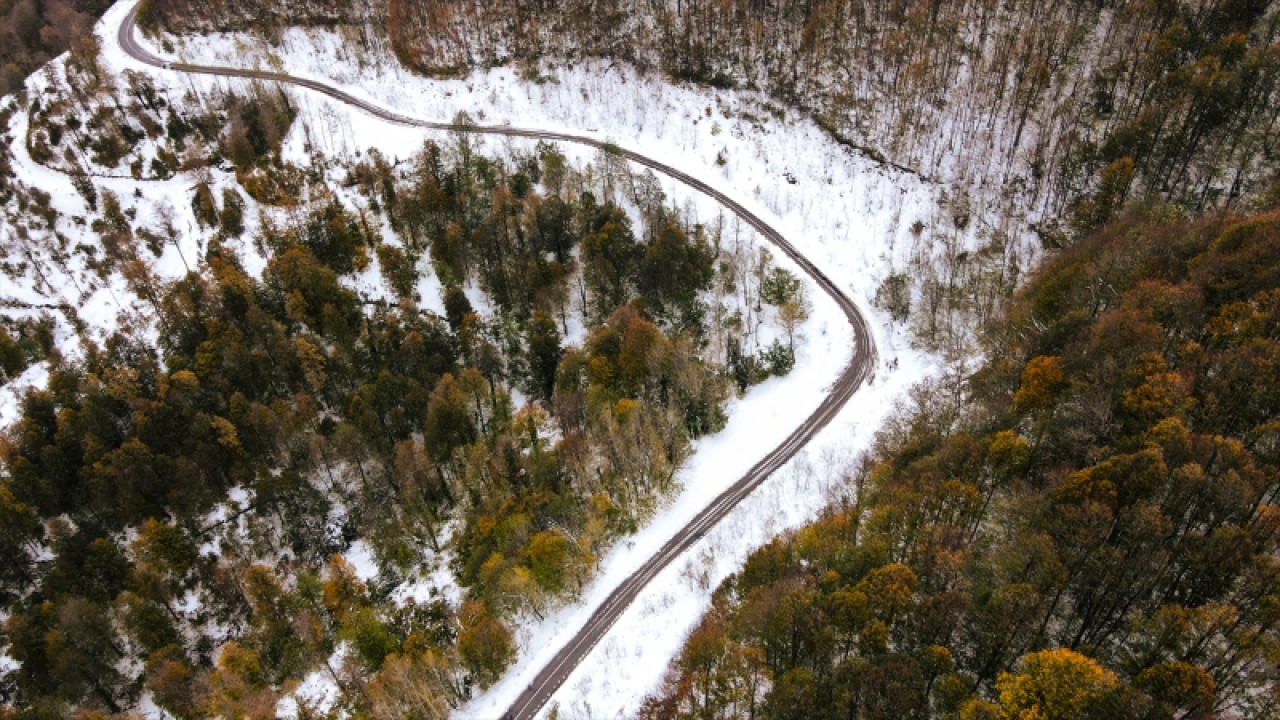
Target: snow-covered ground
column 851, row 217
column 11, row 393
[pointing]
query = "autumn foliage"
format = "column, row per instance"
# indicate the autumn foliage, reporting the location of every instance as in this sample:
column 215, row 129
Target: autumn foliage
column 1095, row 536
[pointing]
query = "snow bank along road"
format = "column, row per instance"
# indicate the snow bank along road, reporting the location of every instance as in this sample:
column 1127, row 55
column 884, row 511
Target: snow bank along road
column 861, row 363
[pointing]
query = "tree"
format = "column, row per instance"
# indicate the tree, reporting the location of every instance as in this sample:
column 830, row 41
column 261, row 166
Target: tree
column 699, row 663
column 171, row 681
column 550, row 556
column 794, row 694
column 310, row 293
column 544, row 353
column 165, row 549
column 82, row 654
column 792, row 314
column 335, row 238
column 418, row 685
column 148, row 623
column 780, row 286
column 204, row 206
column 1055, row 684
column 284, row 640
column 1113, row 187
column 420, row 488
column 397, row 268
column 370, row 636
column 673, row 270
column 484, row 643
column 18, row 529
column 232, row 216
column 237, row 688
column 456, row 306
column 448, row 424
column 1041, row 380
column 609, row 255
column 1179, row 688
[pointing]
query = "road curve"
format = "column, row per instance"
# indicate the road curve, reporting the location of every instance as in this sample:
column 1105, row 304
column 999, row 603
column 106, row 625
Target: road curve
column 861, row 362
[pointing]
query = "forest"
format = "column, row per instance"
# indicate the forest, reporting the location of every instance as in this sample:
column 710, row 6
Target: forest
column 1084, row 527
column 1060, row 109
column 1076, row 519
column 1042, row 120
column 175, row 504
column 33, row 32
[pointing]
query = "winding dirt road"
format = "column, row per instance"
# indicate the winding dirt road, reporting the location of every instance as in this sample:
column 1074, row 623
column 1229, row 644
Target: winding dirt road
column 861, row 362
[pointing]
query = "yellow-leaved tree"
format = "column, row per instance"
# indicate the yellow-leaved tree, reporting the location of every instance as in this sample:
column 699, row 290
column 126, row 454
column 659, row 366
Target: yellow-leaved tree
column 1057, row 684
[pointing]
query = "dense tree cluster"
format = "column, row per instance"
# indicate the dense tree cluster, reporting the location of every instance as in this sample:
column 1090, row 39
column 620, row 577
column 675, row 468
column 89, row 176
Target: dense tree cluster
column 33, row 32
column 327, row 416
column 223, row 15
column 1086, row 527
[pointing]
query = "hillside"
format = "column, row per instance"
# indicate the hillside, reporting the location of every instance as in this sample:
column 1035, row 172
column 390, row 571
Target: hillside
column 1029, row 102
column 312, row 414
column 264, row 351
column 1091, row 531
column 1046, row 116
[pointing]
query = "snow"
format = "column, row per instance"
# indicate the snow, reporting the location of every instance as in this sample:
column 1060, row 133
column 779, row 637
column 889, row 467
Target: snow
column 189, row 605
column 147, row 708
column 239, row 496
column 12, row 392
column 845, row 213
column 362, row 560
column 436, row 584
column 103, row 305
column 317, row 694
column 237, row 501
